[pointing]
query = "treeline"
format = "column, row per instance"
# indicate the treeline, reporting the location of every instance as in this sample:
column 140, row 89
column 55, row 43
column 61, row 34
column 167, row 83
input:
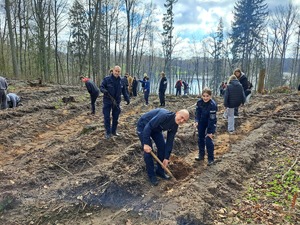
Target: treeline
column 58, row 41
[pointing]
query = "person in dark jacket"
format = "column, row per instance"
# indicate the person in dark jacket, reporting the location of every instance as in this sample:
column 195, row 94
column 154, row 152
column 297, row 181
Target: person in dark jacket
column 13, row 100
column 185, row 88
column 146, row 89
column 151, row 126
column 206, row 122
column 299, row 87
column 126, row 82
column 93, row 91
column 134, row 87
column 244, row 82
column 234, row 96
column 178, row 86
column 3, row 88
column 112, row 87
column 162, row 89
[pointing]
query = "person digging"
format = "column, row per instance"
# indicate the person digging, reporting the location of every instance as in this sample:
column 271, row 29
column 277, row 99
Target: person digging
column 150, row 128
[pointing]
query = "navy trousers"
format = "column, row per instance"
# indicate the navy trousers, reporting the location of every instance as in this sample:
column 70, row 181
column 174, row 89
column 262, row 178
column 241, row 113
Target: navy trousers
column 146, row 96
column 94, row 97
column 107, row 108
column 205, row 142
column 162, row 98
column 159, row 141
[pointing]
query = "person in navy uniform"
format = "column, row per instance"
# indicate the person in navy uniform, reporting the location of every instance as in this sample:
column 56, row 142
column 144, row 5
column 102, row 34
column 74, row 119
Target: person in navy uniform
column 151, row 126
column 112, row 87
column 206, row 122
column 93, row 91
column 162, row 89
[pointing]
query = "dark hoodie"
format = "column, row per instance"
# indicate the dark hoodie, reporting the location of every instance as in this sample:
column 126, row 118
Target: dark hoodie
column 234, row 94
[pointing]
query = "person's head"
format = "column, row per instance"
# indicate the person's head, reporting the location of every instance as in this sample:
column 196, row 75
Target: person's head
column 117, row 71
column 147, row 78
column 182, row 116
column 126, row 74
column 82, row 78
column 162, row 74
column 232, row 77
column 237, row 72
column 145, row 75
column 206, row 94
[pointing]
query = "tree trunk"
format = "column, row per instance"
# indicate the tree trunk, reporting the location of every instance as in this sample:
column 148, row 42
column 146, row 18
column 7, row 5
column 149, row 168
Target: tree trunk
column 261, row 81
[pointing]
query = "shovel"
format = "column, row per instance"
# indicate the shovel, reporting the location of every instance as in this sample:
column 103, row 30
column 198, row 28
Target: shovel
column 162, row 165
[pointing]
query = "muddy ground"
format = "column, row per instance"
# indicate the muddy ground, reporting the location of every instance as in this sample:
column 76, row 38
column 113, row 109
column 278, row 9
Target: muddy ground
column 56, row 167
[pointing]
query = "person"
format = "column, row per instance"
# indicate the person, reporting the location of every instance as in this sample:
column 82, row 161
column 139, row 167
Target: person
column 112, row 87
column 13, row 100
column 185, row 88
column 125, row 82
column 234, row 96
column 178, row 86
column 162, row 89
column 3, row 88
column 206, row 122
column 151, row 126
column 146, row 89
column 244, row 82
column 144, row 79
column 248, row 91
column 93, row 91
column 130, row 80
column 221, row 88
column 299, row 87
column 134, row 87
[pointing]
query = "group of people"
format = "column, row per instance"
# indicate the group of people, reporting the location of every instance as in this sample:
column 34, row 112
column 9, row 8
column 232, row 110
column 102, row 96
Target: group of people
column 10, row 100
column 179, row 84
column 151, row 125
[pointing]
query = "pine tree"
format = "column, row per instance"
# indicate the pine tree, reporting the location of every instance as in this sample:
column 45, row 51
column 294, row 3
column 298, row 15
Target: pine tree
column 168, row 21
column 79, row 31
column 249, row 21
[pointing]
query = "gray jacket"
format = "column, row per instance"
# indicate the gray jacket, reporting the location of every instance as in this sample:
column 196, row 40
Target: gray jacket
column 3, row 83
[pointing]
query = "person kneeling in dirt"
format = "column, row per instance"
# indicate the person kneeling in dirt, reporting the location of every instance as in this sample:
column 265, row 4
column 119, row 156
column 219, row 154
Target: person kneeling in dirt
column 151, row 125
column 93, row 90
column 13, row 100
column 206, row 122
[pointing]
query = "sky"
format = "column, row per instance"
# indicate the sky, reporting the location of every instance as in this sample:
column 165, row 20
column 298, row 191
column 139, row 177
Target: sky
column 196, row 19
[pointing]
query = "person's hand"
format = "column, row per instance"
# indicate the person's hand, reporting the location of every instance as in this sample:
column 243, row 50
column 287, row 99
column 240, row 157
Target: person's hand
column 104, row 91
column 196, row 124
column 127, row 102
column 210, row 136
column 147, row 148
column 166, row 162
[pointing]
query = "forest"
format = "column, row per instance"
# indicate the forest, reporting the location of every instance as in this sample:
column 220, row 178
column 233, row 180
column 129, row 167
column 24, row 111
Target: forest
column 58, row 40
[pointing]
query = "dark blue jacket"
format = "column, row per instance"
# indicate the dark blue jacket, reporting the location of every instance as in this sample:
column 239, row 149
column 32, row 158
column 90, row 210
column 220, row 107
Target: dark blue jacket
column 91, row 87
column 158, row 120
column 244, row 81
column 146, row 84
column 206, row 115
column 234, row 94
column 114, row 87
column 163, row 84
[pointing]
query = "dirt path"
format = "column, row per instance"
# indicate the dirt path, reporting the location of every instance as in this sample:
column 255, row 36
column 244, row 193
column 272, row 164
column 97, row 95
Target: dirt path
column 56, row 166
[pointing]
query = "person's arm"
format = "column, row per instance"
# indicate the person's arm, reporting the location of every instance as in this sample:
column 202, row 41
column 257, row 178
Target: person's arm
column 226, row 94
column 212, row 120
column 103, row 86
column 126, row 96
column 169, row 143
column 150, row 126
column 14, row 102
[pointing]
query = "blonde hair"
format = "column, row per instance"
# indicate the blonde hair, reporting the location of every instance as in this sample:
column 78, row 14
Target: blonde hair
column 232, row 77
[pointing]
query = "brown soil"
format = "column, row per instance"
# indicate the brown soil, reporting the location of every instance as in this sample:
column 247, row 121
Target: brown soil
column 56, row 167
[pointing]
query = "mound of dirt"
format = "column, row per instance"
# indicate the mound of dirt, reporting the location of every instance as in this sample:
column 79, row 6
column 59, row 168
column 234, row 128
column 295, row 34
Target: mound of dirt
column 56, row 167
